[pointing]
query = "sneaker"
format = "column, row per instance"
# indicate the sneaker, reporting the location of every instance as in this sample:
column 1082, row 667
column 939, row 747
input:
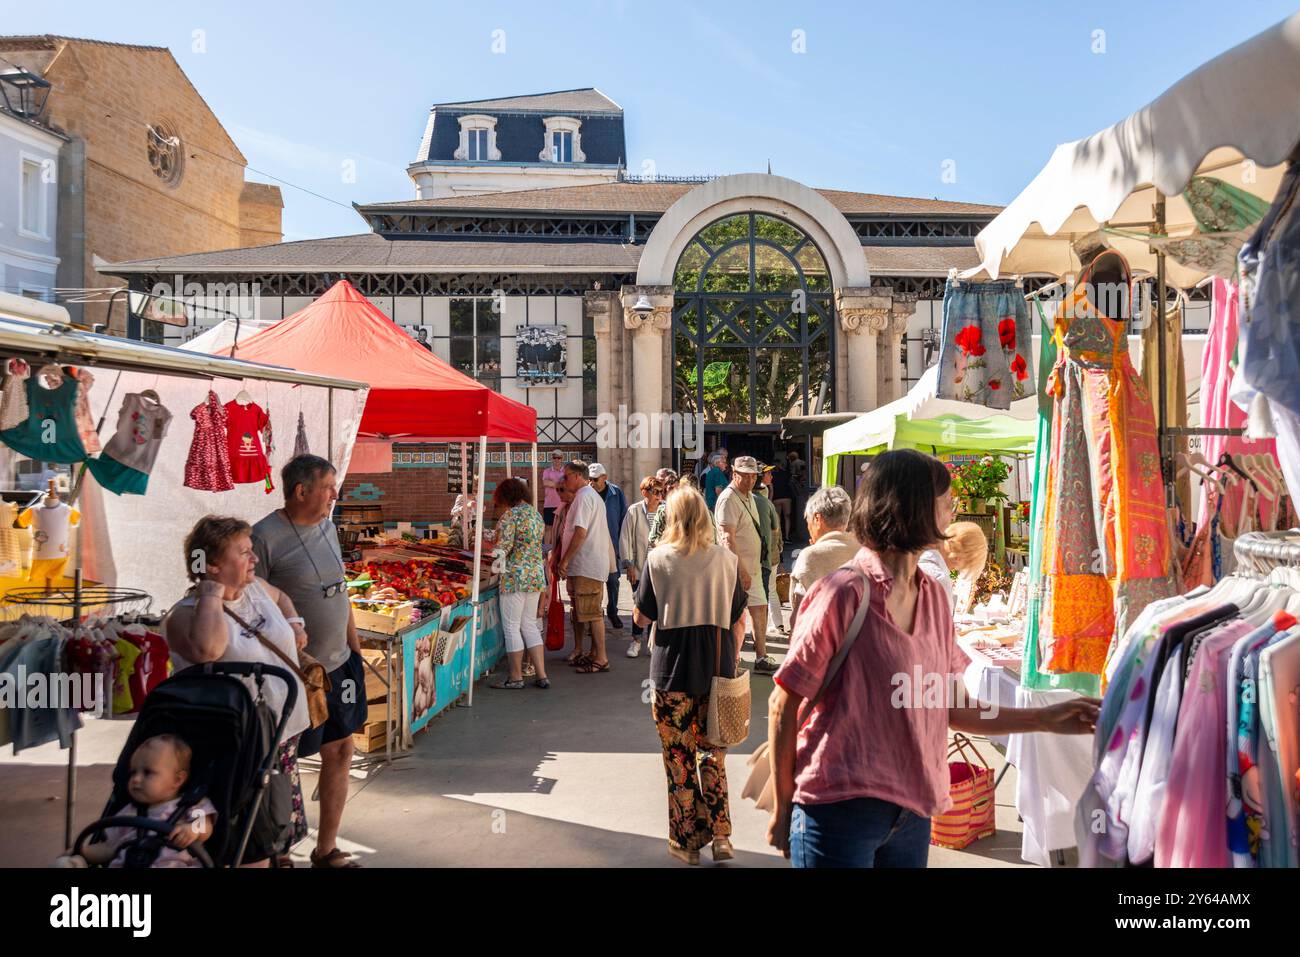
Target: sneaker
column 765, row 665
column 634, row 649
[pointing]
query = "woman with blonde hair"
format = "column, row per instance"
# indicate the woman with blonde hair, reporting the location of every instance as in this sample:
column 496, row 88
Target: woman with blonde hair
column 967, row 553
column 690, row 591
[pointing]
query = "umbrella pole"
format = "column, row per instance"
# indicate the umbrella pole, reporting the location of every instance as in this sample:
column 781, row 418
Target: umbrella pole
column 1162, row 412
column 478, row 569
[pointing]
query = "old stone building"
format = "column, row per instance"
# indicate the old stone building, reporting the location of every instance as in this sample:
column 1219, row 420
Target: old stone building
column 148, row 169
column 595, row 295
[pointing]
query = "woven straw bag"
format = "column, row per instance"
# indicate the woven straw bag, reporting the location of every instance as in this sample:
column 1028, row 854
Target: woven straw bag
column 727, row 723
column 971, row 788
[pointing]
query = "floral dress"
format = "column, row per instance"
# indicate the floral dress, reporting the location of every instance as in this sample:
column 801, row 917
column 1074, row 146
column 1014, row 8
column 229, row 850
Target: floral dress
column 519, row 541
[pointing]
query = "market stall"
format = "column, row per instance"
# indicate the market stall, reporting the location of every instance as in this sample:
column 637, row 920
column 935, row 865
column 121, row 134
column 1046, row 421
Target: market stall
column 55, row 376
column 414, row 397
column 1175, row 190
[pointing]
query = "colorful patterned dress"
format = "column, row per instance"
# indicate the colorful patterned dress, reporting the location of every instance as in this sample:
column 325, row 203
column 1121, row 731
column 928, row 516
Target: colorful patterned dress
column 1106, row 546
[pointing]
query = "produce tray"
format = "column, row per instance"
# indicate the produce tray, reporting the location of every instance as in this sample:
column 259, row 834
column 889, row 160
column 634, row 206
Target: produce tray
column 384, row 624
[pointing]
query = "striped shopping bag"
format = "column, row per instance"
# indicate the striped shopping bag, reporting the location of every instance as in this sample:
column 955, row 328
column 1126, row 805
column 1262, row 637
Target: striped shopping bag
column 973, row 808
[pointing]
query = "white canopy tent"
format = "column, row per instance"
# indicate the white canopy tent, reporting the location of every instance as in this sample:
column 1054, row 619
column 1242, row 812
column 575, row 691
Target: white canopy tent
column 1234, row 118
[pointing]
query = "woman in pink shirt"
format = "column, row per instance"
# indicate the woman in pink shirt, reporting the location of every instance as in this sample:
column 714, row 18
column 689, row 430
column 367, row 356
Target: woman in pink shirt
column 858, row 778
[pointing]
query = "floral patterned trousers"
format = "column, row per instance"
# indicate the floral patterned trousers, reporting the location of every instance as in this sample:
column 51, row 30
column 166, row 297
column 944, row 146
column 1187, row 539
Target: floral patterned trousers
column 697, row 774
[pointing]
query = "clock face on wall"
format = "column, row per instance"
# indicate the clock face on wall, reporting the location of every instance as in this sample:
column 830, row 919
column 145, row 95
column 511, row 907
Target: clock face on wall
column 166, row 152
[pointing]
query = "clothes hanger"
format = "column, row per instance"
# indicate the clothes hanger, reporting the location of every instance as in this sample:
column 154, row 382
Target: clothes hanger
column 243, row 398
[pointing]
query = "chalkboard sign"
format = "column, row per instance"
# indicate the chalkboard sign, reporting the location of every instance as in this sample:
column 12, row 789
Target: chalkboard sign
column 456, row 479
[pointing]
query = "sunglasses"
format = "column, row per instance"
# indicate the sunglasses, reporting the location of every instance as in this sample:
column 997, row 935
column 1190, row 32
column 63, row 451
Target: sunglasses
column 329, row 591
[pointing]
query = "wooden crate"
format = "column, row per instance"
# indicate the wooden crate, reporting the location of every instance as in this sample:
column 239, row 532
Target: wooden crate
column 372, row 737
column 375, row 688
column 384, row 624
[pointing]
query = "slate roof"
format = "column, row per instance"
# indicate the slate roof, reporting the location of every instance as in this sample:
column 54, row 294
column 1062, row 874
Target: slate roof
column 584, row 100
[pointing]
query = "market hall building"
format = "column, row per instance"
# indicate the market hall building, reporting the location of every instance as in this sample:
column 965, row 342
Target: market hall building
column 531, row 260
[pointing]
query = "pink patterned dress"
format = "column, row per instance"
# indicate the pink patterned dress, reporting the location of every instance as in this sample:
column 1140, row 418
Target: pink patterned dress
column 208, row 467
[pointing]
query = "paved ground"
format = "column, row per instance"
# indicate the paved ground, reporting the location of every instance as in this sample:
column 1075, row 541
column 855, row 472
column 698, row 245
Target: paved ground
column 569, row 777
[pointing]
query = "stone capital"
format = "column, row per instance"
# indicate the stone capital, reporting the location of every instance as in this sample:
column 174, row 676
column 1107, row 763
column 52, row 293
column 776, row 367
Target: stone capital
column 598, row 305
column 660, row 317
column 900, row 311
column 863, row 309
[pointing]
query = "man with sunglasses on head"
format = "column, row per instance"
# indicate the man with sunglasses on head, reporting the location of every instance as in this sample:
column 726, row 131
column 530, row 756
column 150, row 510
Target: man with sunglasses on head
column 298, row 552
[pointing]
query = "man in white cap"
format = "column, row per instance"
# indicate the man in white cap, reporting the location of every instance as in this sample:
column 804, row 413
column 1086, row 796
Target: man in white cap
column 615, row 511
column 740, row 530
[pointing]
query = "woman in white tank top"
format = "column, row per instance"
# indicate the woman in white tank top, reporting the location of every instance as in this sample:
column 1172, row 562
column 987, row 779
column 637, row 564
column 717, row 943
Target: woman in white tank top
column 219, row 560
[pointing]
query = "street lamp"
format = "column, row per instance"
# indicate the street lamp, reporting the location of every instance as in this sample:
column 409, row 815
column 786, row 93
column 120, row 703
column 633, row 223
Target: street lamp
column 642, row 306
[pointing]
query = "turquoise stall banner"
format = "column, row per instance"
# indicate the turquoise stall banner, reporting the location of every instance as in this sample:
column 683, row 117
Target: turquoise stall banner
column 430, row 688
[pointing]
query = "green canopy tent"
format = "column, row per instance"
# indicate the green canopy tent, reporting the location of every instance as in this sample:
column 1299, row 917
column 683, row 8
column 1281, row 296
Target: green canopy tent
column 919, row 420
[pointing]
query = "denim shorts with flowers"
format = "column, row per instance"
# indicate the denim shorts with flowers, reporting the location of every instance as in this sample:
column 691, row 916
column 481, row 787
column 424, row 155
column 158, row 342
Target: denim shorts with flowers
column 984, row 357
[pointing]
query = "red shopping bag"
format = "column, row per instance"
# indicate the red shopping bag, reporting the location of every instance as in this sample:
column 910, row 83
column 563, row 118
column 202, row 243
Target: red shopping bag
column 555, row 619
column 973, row 808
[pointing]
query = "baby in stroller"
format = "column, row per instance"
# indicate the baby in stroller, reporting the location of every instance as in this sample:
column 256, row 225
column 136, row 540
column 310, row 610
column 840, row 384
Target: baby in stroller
column 160, row 766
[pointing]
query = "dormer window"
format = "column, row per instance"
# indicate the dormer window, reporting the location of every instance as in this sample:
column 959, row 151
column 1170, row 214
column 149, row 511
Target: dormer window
column 478, row 139
column 563, row 141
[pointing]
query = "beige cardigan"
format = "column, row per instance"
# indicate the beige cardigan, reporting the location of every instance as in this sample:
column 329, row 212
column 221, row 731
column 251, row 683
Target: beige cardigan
column 693, row 589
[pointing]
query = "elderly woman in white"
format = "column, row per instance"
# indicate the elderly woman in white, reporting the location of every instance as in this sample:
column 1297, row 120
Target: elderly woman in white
column 827, row 515
column 634, row 543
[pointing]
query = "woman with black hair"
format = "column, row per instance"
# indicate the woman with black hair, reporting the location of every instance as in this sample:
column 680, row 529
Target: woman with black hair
column 858, row 729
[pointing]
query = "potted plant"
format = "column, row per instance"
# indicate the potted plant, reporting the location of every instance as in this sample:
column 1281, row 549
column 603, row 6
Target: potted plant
column 976, row 483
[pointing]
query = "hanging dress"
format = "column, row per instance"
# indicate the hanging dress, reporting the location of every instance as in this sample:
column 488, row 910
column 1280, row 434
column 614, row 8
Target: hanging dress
column 128, row 458
column 13, row 404
column 300, row 446
column 244, row 425
column 207, row 468
column 1106, row 551
column 49, row 433
column 85, row 421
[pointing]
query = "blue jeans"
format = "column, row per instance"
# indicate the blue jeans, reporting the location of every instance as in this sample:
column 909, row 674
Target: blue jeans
column 861, row 832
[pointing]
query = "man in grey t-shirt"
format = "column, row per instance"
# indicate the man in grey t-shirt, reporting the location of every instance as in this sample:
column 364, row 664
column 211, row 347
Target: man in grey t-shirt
column 298, row 552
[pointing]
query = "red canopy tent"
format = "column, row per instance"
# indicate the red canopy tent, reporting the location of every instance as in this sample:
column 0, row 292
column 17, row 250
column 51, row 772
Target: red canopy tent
column 413, row 394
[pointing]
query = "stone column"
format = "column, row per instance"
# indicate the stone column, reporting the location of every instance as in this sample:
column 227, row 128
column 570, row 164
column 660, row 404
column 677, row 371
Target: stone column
column 649, row 331
column 864, row 314
column 901, row 310
column 600, row 307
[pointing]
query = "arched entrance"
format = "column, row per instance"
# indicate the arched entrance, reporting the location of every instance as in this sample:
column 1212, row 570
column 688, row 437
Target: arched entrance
column 753, row 336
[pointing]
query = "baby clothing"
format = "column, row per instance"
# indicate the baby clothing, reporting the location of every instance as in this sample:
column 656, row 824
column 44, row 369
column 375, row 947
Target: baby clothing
column 11, row 556
column 207, row 468
column 167, row 857
column 128, row 458
column 13, row 403
column 244, row 424
column 49, row 433
column 85, row 422
column 52, row 524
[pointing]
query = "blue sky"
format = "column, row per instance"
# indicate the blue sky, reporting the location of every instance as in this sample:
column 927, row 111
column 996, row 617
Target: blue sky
column 883, row 96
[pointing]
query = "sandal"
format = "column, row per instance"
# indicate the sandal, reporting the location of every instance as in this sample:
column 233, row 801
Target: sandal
column 592, row 667
column 542, row 683
column 577, row 661
column 333, row 859
column 508, row 684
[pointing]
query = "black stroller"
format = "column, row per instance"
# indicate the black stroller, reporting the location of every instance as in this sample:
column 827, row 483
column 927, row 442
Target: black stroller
column 233, row 736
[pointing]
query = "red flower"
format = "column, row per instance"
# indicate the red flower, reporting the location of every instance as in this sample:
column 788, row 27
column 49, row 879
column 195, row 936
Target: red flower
column 995, row 384
column 1018, row 366
column 1007, row 333
column 969, row 341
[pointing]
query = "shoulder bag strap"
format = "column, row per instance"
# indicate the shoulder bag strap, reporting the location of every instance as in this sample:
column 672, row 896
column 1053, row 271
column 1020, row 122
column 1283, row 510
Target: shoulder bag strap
column 267, row 643
column 855, row 627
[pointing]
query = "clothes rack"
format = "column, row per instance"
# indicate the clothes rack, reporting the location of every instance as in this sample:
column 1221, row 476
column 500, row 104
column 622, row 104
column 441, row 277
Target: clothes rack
column 98, row 597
